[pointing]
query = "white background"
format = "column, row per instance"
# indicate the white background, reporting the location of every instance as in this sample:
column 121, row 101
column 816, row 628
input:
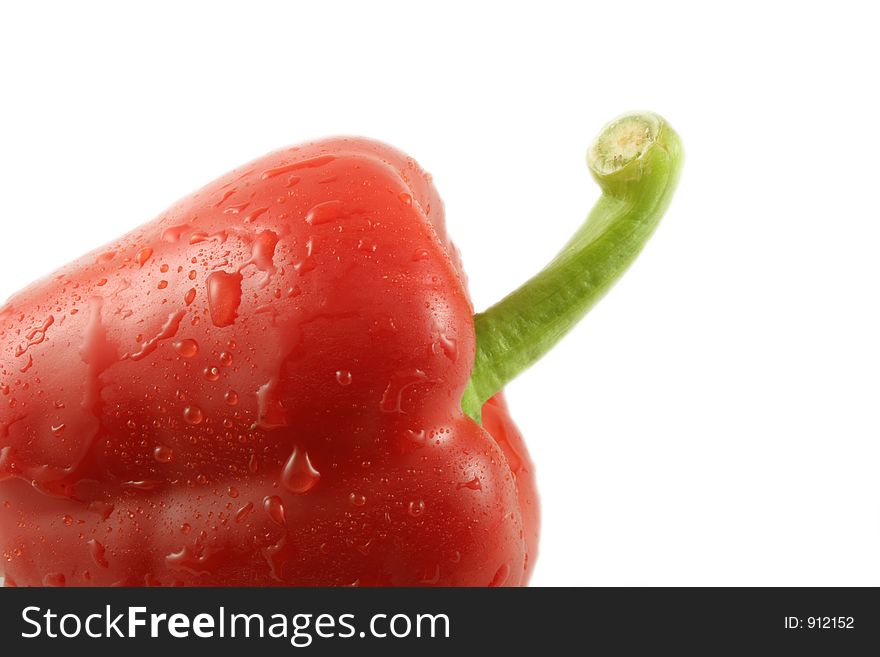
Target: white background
column 714, row 420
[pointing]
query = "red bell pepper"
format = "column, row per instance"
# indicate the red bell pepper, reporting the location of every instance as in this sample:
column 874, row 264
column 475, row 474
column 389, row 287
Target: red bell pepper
column 280, row 381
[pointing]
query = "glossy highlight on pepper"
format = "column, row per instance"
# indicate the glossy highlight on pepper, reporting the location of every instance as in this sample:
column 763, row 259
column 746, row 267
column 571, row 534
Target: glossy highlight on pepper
column 281, row 381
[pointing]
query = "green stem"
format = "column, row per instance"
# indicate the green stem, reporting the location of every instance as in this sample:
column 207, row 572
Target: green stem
column 636, row 160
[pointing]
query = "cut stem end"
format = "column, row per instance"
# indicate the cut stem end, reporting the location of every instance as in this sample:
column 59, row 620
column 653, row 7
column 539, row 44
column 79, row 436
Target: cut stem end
column 623, row 141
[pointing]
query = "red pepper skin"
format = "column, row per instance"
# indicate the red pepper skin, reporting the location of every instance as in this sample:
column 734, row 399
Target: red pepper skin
column 261, row 387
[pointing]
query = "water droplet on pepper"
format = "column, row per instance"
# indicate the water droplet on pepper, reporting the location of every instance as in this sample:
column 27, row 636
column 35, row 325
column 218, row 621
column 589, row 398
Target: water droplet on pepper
column 274, row 508
column 193, row 415
column 244, row 512
column 299, row 475
column 163, row 454
column 224, row 297
column 187, row 348
column 143, row 255
column 98, row 552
